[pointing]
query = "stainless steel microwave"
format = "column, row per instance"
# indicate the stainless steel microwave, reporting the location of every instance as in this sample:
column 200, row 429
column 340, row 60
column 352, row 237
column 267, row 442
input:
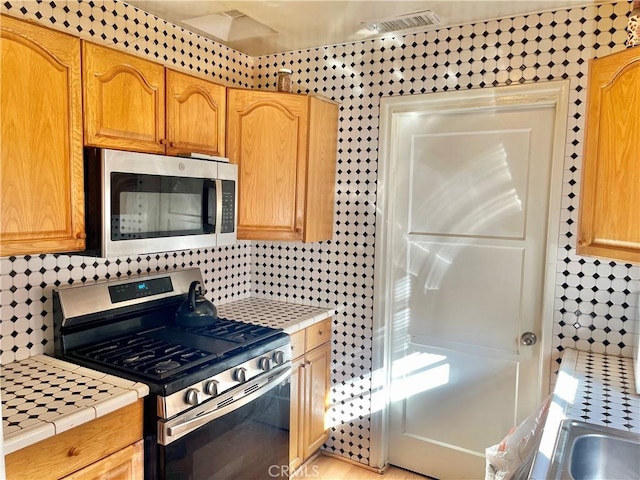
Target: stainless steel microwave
column 138, row 203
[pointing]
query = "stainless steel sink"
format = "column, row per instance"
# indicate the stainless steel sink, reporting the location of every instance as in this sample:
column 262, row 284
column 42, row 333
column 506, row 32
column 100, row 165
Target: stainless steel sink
column 588, row 452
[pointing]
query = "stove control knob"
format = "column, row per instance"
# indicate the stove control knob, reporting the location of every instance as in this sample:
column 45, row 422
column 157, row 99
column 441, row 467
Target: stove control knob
column 278, row 357
column 211, row 388
column 240, row 374
column 265, row 364
column 193, row 396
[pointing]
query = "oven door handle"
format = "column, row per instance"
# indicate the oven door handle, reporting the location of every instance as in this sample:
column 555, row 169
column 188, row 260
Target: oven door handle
column 167, row 434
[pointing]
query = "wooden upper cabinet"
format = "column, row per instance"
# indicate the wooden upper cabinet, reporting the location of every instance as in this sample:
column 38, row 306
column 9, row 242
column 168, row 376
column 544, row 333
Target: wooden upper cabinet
column 124, row 100
column 41, row 177
column 285, row 147
column 195, row 115
column 609, row 223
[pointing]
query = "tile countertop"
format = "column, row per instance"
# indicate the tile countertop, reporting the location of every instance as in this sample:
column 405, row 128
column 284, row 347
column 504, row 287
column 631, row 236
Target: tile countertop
column 43, row 396
column 592, row 387
column 273, row 313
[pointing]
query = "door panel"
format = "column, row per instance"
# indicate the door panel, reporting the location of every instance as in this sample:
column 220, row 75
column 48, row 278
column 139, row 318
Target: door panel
column 470, row 196
column 441, row 388
column 453, row 293
column 475, row 183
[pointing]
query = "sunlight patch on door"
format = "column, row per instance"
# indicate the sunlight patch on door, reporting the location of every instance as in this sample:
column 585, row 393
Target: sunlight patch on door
column 418, row 372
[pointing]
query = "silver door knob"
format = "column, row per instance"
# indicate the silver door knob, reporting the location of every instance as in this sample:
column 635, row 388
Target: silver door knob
column 529, row 338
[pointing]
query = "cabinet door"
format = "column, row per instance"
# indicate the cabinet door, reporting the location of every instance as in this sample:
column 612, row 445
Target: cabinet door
column 297, row 409
column 123, row 101
column 41, row 176
column 81, row 446
column 267, row 138
column 125, row 464
column 317, row 384
column 195, row 115
column 609, row 219
column 321, row 171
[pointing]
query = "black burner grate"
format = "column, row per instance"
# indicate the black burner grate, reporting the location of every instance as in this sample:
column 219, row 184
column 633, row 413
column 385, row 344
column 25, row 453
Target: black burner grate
column 152, row 357
column 234, row 331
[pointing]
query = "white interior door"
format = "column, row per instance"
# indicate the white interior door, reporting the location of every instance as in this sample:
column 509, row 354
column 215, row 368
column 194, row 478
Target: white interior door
column 467, row 208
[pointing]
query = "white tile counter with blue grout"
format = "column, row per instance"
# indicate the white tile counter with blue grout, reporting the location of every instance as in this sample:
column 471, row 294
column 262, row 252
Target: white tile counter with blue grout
column 43, row 396
column 276, row 314
column 591, row 387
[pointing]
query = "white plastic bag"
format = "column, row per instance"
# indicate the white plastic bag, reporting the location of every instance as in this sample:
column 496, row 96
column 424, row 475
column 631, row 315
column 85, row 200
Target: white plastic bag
column 511, row 458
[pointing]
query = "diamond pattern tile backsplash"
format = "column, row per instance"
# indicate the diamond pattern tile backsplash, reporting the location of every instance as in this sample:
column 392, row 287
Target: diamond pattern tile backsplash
column 596, row 304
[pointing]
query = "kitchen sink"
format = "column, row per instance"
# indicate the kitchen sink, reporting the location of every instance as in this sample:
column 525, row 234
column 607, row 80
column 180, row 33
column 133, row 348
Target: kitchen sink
column 588, row 452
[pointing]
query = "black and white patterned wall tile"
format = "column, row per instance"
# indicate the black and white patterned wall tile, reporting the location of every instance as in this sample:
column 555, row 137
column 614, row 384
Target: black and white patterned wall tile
column 125, row 27
column 275, row 314
column 26, row 321
column 42, row 396
column 605, row 392
column 596, row 300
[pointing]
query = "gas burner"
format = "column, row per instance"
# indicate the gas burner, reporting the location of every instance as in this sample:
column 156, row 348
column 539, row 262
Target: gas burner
column 166, row 366
column 128, row 329
column 146, row 354
column 233, row 331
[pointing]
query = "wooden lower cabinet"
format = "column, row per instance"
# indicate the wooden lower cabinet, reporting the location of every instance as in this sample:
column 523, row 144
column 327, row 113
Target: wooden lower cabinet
column 109, row 447
column 125, row 464
column 310, row 383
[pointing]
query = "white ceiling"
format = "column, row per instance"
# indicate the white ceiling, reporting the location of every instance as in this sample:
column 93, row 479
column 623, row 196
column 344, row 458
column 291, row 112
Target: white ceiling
column 289, row 25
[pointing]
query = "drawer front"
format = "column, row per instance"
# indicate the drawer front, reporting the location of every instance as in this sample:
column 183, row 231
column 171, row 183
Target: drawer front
column 74, row 449
column 318, row 334
column 297, row 344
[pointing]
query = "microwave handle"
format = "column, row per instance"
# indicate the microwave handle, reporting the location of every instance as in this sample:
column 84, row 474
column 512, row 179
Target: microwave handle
column 211, row 206
column 218, row 206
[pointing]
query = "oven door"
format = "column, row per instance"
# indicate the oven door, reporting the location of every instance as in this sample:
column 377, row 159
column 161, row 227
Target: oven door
column 238, row 435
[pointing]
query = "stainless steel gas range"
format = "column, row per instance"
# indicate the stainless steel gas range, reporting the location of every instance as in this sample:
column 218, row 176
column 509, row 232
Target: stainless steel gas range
column 219, row 394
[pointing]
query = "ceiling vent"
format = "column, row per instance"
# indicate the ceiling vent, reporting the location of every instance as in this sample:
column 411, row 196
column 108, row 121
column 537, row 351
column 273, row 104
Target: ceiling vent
column 413, row 21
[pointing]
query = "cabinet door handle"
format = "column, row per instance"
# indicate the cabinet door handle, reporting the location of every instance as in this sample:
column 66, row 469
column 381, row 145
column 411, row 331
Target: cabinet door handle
column 163, row 141
column 81, row 235
column 73, row 452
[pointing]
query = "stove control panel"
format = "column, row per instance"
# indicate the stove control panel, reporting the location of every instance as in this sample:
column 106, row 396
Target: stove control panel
column 140, row 289
column 211, row 387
